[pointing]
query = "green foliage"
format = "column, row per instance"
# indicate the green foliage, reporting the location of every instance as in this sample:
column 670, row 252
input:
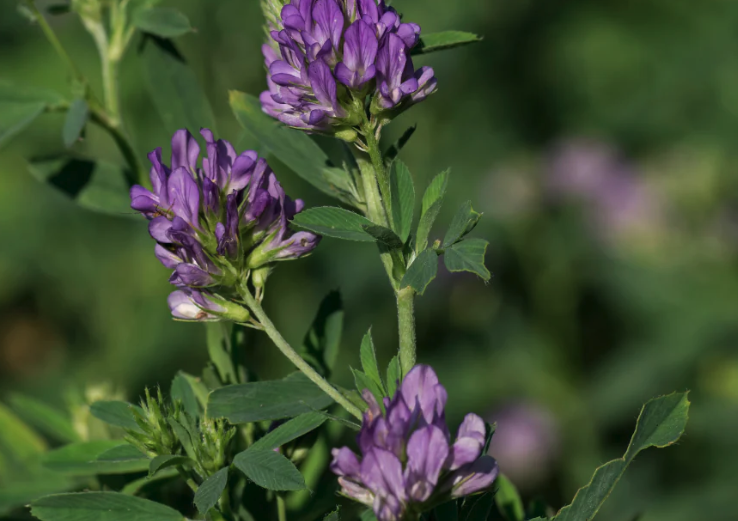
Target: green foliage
column 293, row 148
column 101, row 506
column 403, row 199
column 220, row 349
column 432, row 202
column 362, row 382
column 75, row 121
column 96, row 457
column 174, row 88
column 20, row 106
column 116, row 413
column 445, row 40
column 95, row 185
column 289, row 431
column 322, row 342
column 191, row 392
column 421, row 272
column 165, row 461
column 335, row 222
column 393, row 376
column 476, row 508
column 17, row 438
column 462, row 224
column 269, row 469
column 508, row 500
column 268, row 400
column 369, row 361
column 210, row 490
column 166, row 22
column 468, row 255
column 384, row 236
column 48, row 420
column 661, row 423
column 335, row 515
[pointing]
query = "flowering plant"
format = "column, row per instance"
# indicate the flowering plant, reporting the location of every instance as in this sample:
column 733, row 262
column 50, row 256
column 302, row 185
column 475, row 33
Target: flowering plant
column 222, row 224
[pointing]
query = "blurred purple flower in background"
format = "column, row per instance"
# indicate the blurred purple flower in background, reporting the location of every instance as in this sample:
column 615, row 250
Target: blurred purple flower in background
column 407, row 458
column 325, row 56
column 526, row 443
column 216, row 221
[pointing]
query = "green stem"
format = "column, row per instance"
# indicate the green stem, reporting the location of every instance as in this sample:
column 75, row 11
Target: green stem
column 293, row 355
column 54, row 41
column 186, row 477
column 406, row 327
column 225, row 504
column 281, row 508
column 136, row 172
column 380, row 172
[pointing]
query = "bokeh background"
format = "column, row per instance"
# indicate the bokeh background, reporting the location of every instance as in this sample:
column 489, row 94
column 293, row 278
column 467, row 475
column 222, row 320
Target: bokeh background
column 598, row 138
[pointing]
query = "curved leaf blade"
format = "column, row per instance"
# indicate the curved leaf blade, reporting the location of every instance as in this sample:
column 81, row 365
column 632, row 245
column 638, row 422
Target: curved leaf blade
column 96, row 457
column 209, row 492
column 269, row 469
column 74, row 122
column 166, row 22
column 421, row 272
column 335, row 222
column 101, row 506
column 468, row 256
column 444, row 40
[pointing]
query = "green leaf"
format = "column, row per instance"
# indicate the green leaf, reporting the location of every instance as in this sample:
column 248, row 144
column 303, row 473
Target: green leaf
column 187, row 434
column 368, row 515
column 96, row 457
column 24, row 489
column 661, row 423
column 166, row 22
column 293, row 148
column 384, row 236
column 16, row 438
column 477, row 508
column 335, row 515
column 220, row 348
column 508, row 500
column 322, row 342
column 432, row 202
column 362, row 382
column 74, row 122
column 174, row 88
column 468, row 255
column 209, row 492
column 393, row 376
column 444, row 40
column 448, row 511
column 45, row 418
column 463, row 223
column 116, row 413
column 101, row 506
column 290, row 430
column 269, row 470
column 136, row 486
column 403, row 199
column 421, row 272
column 397, row 146
column 20, row 106
column 335, row 222
column 95, row 185
column 166, row 461
column 369, row 360
column 182, row 390
column 269, row 400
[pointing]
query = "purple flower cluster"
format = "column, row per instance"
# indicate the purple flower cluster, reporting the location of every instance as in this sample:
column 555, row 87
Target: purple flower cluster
column 216, row 222
column 327, row 55
column 408, row 462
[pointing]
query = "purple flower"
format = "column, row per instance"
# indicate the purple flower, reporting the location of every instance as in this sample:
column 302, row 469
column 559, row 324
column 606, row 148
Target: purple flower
column 408, row 461
column 324, row 55
column 215, row 220
column 187, row 304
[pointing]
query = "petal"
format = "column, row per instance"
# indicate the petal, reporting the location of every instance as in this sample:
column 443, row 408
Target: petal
column 427, row 451
column 185, row 150
column 381, row 472
column 329, row 18
column 346, row 76
column 182, row 306
column 159, row 229
column 184, row 196
column 166, row 257
column 143, row 201
column 191, row 275
column 419, row 388
column 474, row 477
column 323, row 83
column 242, row 169
column 356, row 491
column 345, row 463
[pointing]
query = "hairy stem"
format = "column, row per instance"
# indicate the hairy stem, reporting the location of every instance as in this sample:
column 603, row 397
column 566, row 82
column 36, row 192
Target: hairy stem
column 406, row 327
column 294, row 356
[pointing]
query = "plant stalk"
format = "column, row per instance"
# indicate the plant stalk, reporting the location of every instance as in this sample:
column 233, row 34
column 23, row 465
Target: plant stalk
column 406, row 327
column 294, row 356
column 281, row 508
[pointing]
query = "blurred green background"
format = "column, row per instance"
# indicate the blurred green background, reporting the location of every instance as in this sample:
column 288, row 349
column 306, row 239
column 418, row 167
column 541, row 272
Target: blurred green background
column 597, row 138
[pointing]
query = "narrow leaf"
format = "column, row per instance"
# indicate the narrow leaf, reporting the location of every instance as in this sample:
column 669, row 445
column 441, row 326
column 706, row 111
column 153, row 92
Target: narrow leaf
column 101, row 506
column 17, row 438
column 462, row 224
column 432, row 202
column 290, row 430
column 508, row 500
column 167, row 461
column 136, row 486
column 268, row 400
column 269, row 469
column 220, row 348
column 45, row 418
column 397, row 146
column 468, row 256
column 292, row 147
column 362, row 382
column 174, row 88
column 335, row 222
column 209, row 492
column 384, row 236
column 181, row 390
column 95, row 185
column 403, row 199
column 96, row 457
column 421, row 272
column 369, row 360
column 661, row 423
column 322, row 342
column 20, row 106
column 116, row 413
column 393, row 376
column 166, row 22
column 445, row 40
column 74, row 122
